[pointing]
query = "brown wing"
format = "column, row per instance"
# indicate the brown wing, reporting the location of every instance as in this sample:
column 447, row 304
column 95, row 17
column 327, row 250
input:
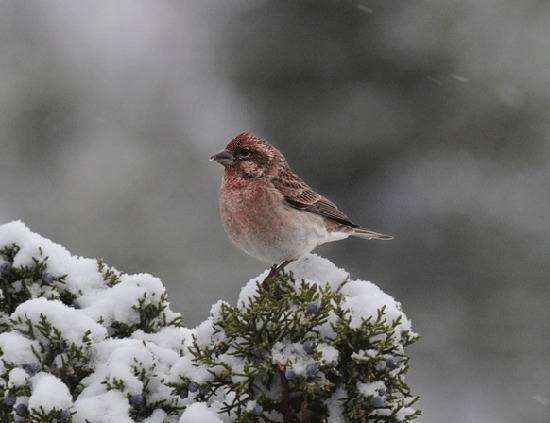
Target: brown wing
column 299, row 195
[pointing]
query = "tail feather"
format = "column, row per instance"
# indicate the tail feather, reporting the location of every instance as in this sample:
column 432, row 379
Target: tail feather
column 368, row 234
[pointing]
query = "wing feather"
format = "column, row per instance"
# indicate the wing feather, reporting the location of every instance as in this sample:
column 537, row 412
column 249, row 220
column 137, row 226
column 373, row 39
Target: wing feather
column 301, row 196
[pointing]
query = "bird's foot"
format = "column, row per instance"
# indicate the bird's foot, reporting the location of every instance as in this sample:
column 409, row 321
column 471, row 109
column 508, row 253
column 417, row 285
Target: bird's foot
column 274, row 272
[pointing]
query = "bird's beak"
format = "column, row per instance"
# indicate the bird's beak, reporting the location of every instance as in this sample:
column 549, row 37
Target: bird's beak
column 223, row 157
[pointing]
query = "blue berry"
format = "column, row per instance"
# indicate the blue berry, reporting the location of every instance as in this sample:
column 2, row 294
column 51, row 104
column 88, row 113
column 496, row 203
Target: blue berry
column 311, row 369
column 204, row 389
column 391, row 363
column 193, row 387
column 312, row 308
column 21, row 410
column 137, row 400
column 10, row 400
column 308, row 346
column 184, row 393
column 257, row 410
column 65, row 414
column 378, row 402
column 382, row 391
column 333, row 364
column 5, row 268
column 47, row 278
column 290, row 374
column 32, row 368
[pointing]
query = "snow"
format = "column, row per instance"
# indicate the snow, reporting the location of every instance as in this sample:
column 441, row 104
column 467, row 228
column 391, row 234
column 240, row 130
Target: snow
column 334, row 405
column 128, row 361
column 364, row 355
column 404, row 412
column 115, row 304
column 186, row 368
column 99, row 305
column 199, row 412
column 362, row 298
column 316, row 269
column 120, row 362
column 292, row 355
column 119, row 367
column 48, row 392
column 82, row 273
column 370, row 389
column 73, row 324
column 17, row 377
column 171, row 338
column 311, row 268
column 158, row 416
column 17, row 348
column 111, row 406
column 205, row 331
column 329, row 354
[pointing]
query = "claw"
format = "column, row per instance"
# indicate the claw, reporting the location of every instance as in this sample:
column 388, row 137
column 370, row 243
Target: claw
column 274, row 272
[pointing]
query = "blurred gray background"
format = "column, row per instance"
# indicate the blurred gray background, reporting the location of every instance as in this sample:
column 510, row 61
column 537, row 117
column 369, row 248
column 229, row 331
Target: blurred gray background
column 425, row 119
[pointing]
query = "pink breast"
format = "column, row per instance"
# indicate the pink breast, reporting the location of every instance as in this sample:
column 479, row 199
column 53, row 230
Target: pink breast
column 250, row 212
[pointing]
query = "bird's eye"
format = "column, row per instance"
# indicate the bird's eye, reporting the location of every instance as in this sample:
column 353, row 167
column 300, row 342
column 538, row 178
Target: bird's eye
column 245, row 153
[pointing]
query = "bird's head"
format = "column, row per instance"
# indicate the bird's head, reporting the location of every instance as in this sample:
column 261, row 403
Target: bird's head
column 248, row 156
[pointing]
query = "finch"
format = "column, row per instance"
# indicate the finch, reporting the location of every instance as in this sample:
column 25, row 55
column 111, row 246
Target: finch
column 270, row 212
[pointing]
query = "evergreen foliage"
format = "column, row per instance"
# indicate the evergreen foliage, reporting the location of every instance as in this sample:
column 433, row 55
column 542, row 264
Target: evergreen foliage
column 83, row 342
column 309, row 320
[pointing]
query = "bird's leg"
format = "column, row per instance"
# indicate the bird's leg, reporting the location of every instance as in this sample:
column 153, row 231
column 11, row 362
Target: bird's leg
column 274, row 272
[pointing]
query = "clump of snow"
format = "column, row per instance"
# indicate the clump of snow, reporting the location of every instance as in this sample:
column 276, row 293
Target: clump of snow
column 116, row 303
column 73, row 324
column 130, row 362
column 119, row 360
column 329, row 354
column 316, row 269
column 334, row 404
column 364, row 355
column 372, row 388
column 292, row 355
column 205, row 332
column 158, row 416
column 48, row 392
column 112, row 406
column 82, row 273
column 17, row 348
column 311, row 268
column 187, row 368
column 17, row 377
column 199, row 412
column 170, row 338
column 364, row 299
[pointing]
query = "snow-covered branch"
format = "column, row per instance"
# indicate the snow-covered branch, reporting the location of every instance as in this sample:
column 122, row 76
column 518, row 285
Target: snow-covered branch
column 83, row 342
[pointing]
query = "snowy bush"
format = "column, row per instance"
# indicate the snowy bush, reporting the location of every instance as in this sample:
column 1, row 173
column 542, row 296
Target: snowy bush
column 83, row 342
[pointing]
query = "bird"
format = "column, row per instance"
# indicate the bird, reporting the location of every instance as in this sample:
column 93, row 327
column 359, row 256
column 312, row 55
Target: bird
column 271, row 213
